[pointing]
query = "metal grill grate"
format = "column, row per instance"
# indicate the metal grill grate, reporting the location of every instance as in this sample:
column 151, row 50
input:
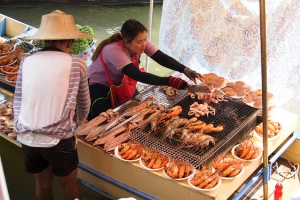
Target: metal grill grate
column 236, row 117
column 163, row 99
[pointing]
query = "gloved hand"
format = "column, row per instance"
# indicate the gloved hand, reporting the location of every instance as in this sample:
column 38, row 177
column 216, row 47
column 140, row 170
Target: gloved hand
column 177, row 83
column 191, row 74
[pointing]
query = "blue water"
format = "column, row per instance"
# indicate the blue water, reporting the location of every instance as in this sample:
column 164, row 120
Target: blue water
column 105, row 20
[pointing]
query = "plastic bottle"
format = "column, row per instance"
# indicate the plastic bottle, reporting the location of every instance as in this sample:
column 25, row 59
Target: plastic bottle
column 278, row 191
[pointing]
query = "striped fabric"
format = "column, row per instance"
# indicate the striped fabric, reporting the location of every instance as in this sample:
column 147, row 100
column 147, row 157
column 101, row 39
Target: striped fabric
column 78, row 100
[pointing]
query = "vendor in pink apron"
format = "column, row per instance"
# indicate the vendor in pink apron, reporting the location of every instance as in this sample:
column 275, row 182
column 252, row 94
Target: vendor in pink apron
column 115, row 68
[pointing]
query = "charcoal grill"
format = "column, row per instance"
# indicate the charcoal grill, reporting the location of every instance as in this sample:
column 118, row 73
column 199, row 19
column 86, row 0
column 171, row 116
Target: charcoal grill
column 237, row 118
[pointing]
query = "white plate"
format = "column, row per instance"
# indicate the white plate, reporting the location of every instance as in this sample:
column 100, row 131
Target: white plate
column 9, row 80
column 2, row 73
column 202, row 189
column 10, row 63
column 118, row 156
column 260, row 138
column 5, row 72
column 258, row 156
column 179, row 179
column 234, row 177
column 147, row 168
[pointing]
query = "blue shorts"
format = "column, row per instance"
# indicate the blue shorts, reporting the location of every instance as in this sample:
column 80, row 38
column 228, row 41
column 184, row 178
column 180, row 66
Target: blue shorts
column 62, row 157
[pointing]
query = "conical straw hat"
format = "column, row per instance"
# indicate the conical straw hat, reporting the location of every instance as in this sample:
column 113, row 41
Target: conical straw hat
column 58, row 26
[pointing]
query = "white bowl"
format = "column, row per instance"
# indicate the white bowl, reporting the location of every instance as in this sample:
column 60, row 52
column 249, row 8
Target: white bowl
column 202, row 189
column 118, row 156
column 260, row 137
column 10, row 63
column 234, row 177
column 178, row 179
column 147, row 168
column 5, row 72
column 9, row 80
column 260, row 151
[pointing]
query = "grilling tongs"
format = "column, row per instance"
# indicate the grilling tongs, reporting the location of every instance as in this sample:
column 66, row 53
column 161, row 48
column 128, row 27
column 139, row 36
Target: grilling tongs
column 199, row 88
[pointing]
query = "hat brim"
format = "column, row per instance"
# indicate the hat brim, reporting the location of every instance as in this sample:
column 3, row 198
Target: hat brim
column 38, row 36
column 58, row 26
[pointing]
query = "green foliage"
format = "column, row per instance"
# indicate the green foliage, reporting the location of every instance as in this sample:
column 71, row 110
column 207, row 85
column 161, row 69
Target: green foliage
column 81, row 44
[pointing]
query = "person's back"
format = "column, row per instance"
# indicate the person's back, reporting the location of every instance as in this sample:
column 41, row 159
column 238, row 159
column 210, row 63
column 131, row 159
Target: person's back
column 52, row 86
column 46, row 77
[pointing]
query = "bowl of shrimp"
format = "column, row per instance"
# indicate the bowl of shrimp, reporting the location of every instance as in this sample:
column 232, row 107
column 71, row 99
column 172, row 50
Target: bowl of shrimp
column 228, row 167
column 152, row 160
column 205, row 179
column 274, row 129
column 178, row 171
column 247, row 150
column 129, row 152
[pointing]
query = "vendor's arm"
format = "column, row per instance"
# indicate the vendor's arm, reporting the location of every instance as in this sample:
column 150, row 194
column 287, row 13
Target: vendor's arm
column 167, row 61
column 133, row 72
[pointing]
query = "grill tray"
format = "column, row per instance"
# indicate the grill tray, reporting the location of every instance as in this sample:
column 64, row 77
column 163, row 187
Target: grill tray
column 237, row 118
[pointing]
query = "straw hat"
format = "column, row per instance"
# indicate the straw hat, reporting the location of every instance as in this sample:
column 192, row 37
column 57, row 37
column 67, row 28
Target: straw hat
column 58, row 26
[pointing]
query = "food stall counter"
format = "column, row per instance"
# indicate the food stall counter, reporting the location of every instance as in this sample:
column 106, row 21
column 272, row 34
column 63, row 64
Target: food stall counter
column 128, row 179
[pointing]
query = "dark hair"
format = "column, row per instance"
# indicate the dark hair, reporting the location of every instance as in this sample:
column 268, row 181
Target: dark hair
column 130, row 29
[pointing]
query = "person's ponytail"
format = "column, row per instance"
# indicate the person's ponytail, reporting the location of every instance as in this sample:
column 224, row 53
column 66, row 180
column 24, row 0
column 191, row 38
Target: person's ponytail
column 114, row 38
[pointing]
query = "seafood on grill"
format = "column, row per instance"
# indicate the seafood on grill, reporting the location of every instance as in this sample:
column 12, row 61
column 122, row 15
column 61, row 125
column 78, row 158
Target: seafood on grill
column 199, row 110
column 174, row 111
column 188, row 133
column 103, row 117
column 273, row 128
column 110, row 135
column 247, row 150
column 203, row 127
column 205, row 178
column 178, row 170
column 214, row 96
column 130, row 150
column 170, row 91
column 228, row 166
column 142, row 105
column 111, row 139
column 153, row 159
column 111, row 144
column 196, row 140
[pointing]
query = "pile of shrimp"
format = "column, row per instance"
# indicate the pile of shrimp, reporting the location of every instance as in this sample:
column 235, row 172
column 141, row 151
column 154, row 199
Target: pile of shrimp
column 273, row 128
column 130, row 150
column 247, row 150
column 153, row 159
column 215, row 96
column 206, row 178
column 227, row 166
column 178, row 170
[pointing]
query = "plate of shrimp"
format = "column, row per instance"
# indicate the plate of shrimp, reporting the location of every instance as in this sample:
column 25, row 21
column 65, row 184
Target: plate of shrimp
column 205, row 179
column 228, row 167
column 129, row 152
column 178, row 171
column 152, row 160
column 247, row 150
